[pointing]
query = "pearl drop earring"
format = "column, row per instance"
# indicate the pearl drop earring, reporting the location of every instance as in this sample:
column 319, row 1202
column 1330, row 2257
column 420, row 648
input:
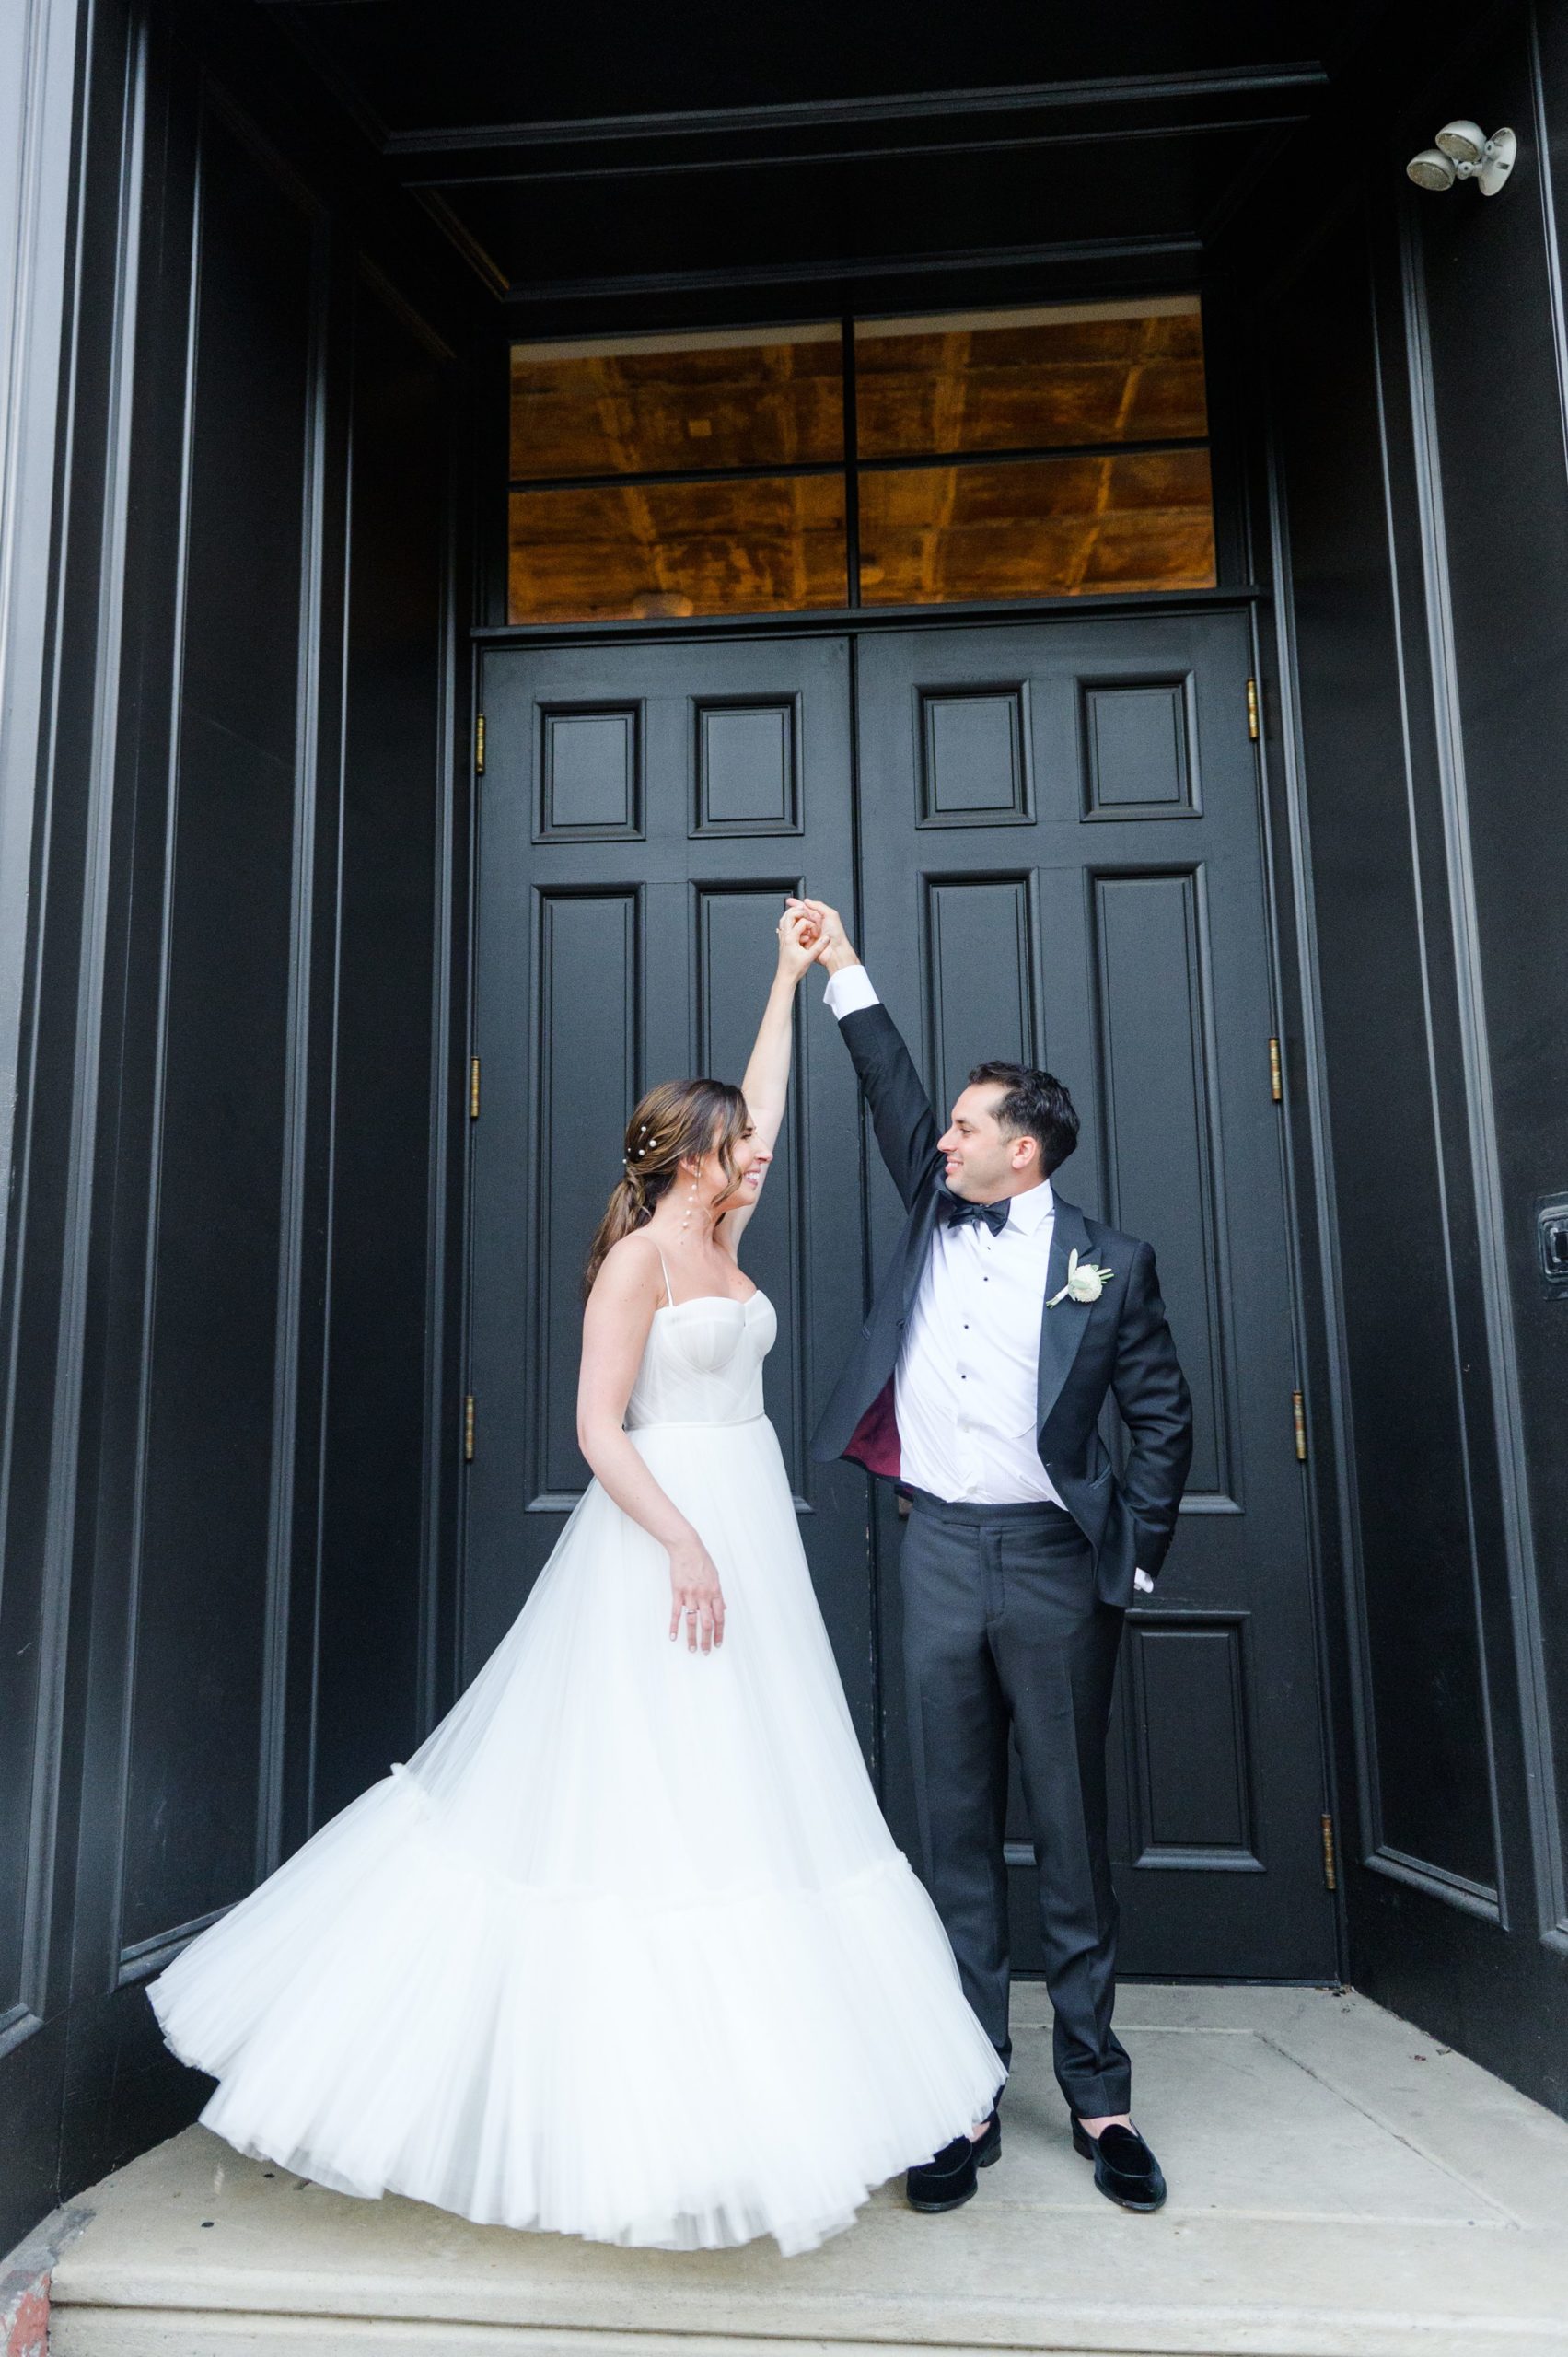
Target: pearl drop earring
column 690, row 1207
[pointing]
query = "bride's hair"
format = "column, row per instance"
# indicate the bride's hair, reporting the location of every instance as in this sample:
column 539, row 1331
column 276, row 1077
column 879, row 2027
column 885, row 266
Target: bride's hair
column 677, row 1118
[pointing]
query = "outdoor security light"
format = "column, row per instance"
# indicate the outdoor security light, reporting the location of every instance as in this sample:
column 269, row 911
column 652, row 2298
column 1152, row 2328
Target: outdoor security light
column 1464, row 153
column 1430, row 170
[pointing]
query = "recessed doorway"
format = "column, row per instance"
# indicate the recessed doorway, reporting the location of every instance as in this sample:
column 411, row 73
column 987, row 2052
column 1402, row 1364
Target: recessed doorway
column 1049, row 827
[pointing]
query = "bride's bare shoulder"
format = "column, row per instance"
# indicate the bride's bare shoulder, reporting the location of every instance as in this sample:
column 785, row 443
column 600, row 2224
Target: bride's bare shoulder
column 630, row 1269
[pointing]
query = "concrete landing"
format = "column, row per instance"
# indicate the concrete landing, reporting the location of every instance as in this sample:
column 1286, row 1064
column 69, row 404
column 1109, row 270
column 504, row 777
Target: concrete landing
column 1340, row 2186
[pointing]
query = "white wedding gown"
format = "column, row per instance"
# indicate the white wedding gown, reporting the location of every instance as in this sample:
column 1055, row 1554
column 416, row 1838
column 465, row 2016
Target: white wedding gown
column 625, row 1949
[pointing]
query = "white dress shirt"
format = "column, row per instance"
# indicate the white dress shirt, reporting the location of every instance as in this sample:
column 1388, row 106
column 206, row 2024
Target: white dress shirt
column 965, row 1389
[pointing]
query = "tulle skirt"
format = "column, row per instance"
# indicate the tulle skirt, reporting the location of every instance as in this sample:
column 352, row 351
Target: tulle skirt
column 624, row 1949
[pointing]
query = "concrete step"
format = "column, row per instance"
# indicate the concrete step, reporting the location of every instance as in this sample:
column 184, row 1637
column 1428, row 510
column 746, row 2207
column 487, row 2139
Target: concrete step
column 1340, row 2186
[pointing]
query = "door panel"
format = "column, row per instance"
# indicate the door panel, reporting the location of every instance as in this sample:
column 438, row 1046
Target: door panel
column 642, row 812
column 1064, row 862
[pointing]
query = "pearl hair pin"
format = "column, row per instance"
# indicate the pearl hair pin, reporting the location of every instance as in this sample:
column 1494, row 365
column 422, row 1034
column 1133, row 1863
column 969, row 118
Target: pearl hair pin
column 640, row 1148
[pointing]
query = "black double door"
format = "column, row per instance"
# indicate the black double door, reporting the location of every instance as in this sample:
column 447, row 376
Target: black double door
column 1049, row 837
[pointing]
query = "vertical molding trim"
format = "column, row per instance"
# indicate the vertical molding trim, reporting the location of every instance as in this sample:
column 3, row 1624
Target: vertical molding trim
column 35, row 269
column 138, row 1514
column 329, row 1115
column 296, row 1095
column 881, row 1550
column 442, row 938
column 1424, row 1874
column 1547, row 1829
column 1549, row 224
column 468, row 1143
column 44, row 208
column 1315, row 1098
column 1288, row 997
column 60, row 1514
column 1502, row 1352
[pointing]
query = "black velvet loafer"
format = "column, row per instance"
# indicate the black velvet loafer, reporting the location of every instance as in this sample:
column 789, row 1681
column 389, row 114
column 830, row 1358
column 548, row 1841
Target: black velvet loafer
column 1125, row 2169
column 949, row 2178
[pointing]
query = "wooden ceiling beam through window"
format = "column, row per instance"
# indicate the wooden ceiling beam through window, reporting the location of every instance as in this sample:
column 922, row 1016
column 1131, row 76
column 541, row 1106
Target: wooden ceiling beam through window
column 1003, row 454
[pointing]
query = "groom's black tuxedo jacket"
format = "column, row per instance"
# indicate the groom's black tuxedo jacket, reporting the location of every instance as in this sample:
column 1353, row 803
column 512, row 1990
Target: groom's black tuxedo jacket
column 1120, row 1344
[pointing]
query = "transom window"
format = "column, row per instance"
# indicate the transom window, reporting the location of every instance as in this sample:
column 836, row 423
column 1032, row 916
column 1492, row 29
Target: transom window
column 975, row 456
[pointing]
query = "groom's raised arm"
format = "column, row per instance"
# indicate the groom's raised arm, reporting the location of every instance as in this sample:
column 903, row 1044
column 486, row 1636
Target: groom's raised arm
column 901, row 1109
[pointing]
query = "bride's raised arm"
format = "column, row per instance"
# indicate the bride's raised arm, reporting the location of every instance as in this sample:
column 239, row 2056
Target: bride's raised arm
column 765, row 1084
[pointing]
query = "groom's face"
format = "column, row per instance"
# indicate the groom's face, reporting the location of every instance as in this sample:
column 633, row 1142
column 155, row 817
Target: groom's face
column 982, row 1163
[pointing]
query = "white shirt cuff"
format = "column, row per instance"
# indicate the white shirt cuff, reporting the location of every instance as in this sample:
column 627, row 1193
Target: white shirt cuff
column 1141, row 1580
column 848, row 991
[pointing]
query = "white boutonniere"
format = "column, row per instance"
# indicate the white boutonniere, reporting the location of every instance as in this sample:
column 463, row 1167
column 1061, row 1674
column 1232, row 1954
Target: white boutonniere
column 1085, row 1282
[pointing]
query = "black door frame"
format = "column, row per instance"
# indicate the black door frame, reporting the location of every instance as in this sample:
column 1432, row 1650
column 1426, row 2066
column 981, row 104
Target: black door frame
column 1287, row 915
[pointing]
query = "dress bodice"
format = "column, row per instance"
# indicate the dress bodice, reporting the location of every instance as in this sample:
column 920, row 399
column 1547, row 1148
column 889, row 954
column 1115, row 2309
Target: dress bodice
column 702, row 1362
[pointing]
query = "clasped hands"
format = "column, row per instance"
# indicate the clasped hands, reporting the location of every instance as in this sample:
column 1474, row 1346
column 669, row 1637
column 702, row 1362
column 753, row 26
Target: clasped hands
column 810, row 933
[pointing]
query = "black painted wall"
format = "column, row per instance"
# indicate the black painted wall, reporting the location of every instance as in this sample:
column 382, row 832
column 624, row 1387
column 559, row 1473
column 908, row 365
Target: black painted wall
column 224, row 1519
column 1417, row 364
column 229, row 1321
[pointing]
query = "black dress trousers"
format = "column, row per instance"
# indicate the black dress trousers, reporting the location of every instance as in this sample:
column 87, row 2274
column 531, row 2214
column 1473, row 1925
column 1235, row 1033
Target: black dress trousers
column 1002, row 1626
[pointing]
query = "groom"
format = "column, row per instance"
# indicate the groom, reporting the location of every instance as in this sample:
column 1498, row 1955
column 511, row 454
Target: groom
column 1002, row 1322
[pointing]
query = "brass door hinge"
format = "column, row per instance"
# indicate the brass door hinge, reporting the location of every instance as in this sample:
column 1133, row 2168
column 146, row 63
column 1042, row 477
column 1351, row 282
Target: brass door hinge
column 1330, row 1875
column 1251, row 711
column 468, row 1429
column 1276, row 1077
column 473, row 1089
column 479, row 744
column 1298, row 1411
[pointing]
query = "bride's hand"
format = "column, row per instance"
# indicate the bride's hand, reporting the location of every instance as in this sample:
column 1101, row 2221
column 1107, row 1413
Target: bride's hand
column 834, row 948
column 695, row 1595
column 799, row 939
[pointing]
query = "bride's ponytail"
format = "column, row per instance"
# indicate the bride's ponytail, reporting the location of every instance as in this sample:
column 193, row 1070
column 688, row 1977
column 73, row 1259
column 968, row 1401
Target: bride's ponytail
column 677, row 1118
column 627, row 1210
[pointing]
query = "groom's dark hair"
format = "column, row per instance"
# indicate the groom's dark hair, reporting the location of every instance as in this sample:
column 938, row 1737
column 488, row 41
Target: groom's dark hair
column 1035, row 1105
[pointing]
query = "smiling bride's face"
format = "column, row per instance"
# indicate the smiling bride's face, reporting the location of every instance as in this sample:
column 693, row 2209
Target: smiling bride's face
column 716, row 1187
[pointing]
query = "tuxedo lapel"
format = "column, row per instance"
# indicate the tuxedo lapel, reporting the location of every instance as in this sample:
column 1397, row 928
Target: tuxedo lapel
column 1061, row 1328
column 917, row 1245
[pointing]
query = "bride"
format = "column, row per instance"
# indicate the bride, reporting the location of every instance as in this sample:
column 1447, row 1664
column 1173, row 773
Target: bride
column 625, row 1949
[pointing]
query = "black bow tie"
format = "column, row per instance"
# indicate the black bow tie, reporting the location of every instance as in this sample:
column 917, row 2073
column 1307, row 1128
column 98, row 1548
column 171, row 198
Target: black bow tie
column 958, row 1213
